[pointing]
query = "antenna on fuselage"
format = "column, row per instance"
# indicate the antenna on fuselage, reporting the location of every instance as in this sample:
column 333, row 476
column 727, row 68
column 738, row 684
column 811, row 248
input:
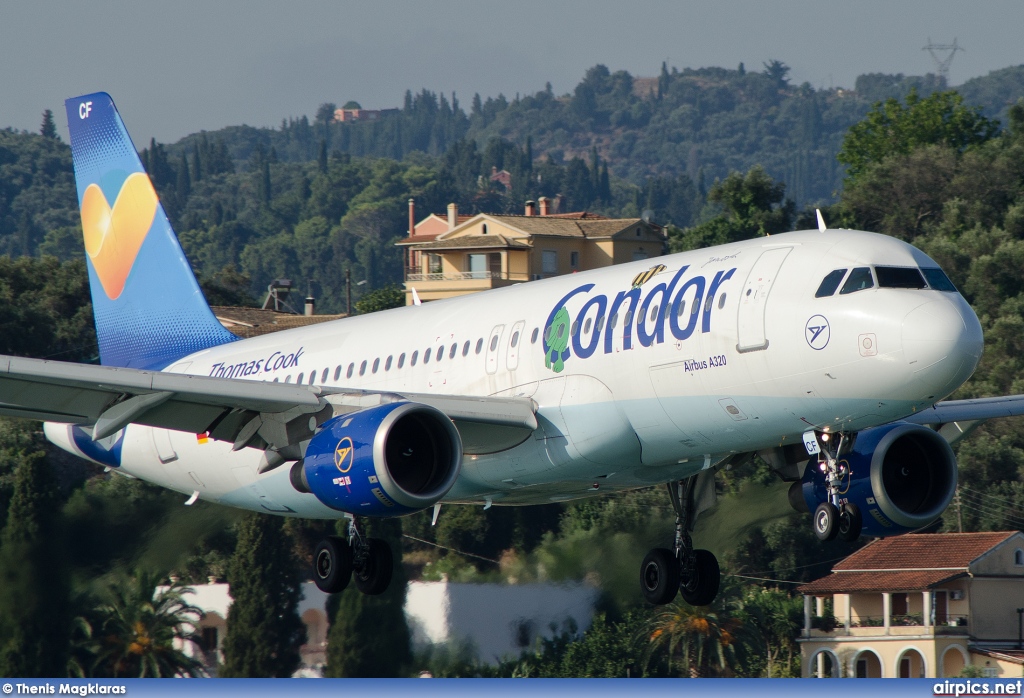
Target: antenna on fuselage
column 821, row 221
column 415, row 297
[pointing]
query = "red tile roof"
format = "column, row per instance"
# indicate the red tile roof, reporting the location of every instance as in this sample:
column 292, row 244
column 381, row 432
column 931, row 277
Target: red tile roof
column 906, row 563
column 923, row 551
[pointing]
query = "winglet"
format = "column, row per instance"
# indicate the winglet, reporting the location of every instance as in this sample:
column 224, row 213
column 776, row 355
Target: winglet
column 415, row 297
column 821, row 221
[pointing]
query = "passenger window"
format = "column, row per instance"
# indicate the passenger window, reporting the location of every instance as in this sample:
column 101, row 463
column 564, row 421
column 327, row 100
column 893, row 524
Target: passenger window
column 627, row 318
column 599, row 324
column 859, row 279
column 376, row 365
column 614, row 321
column 681, row 309
column 337, row 373
column 830, row 283
column 494, row 342
column 937, row 279
column 277, row 380
column 465, row 348
column 299, row 379
column 312, row 378
column 899, row 277
column 533, row 337
column 287, row 379
column 415, row 355
column 323, row 377
column 654, row 313
column 586, row 327
column 351, row 367
column 387, row 364
column 401, row 360
column 575, row 329
column 362, row 368
column 695, row 308
column 708, row 302
column 479, row 345
column 721, row 301
column 440, row 353
column 453, row 351
column 426, row 356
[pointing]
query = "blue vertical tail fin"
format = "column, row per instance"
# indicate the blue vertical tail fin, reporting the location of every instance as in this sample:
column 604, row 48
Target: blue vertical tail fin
column 148, row 307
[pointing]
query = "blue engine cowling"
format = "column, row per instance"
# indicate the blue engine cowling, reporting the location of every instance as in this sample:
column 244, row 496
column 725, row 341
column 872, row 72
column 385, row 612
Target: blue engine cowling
column 901, row 477
column 390, row 460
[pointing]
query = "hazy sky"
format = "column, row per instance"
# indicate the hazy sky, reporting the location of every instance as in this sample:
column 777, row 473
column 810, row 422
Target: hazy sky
column 174, row 68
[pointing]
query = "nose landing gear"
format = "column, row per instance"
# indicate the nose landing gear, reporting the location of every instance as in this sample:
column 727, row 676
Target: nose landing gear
column 693, row 573
column 836, row 517
column 368, row 561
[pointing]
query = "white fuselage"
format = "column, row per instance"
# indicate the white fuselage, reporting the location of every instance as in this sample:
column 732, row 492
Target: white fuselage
column 652, row 398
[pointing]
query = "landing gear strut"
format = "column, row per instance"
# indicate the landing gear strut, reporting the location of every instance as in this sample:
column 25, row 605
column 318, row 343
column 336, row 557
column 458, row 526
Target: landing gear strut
column 834, row 517
column 693, row 573
column 368, row 561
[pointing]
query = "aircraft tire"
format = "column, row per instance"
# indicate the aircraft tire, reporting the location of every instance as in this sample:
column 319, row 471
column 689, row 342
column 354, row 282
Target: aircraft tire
column 375, row 575
column 826, row 520
column 703, row 589
column 850, row 523
column 659, row 576
column 332, row 564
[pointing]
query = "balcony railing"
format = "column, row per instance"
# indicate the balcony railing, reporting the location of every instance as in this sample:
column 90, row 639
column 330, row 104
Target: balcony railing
column 911, row 619
column 464, row 276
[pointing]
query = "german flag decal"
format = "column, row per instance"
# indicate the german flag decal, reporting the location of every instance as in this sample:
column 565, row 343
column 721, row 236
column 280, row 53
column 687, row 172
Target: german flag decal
column 645, row 276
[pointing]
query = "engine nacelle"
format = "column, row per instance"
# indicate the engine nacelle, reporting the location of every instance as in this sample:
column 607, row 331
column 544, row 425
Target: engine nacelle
column 901, row 477
column 390, row 460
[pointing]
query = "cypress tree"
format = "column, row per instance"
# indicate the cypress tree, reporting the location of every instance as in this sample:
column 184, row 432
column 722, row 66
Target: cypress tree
column 48, row 129
column 368, row 636
column 184, row 184
column 264, row 630
column 322, row 159
column 34, row 615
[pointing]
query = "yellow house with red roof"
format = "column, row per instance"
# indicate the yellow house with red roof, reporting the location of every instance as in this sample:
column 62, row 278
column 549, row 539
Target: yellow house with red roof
column 919, row 606
column 464, row 254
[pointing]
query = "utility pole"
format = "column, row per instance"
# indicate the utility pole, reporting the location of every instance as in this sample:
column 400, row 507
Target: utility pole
column 348, row 291
column 942, row 64
column 959, row 518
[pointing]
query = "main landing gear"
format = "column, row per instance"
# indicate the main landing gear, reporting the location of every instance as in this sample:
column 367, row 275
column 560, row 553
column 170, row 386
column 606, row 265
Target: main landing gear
column 693, row 573
column 367, row 561
column 835, row 517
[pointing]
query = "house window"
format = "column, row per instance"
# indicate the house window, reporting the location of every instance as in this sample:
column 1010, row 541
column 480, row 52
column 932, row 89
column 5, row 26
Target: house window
column 574, row 260
column 433, row 264
column 484, row 226
column 209, row 639
column 639, row 254
column 1018, row 557
column 476, row 265
column 494, row 264
column 549, row 262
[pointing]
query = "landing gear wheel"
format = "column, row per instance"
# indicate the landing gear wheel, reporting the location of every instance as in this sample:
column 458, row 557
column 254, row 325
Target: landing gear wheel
column 850, row 523
column 826, row 519
column 702, row 587
column 373, row 575
column 659, row 576
column 332, row 564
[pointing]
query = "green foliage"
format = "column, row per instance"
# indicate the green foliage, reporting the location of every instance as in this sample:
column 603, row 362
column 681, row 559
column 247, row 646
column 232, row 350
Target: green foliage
column 391, row 296
column 369, row 637
column 131, row 632
column 264, row 631
column 34, row 609
column 752, row 205
column 892, row 129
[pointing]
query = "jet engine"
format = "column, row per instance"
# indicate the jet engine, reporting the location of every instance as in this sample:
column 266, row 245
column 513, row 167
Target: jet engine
column 389, row 460
column 901, row 477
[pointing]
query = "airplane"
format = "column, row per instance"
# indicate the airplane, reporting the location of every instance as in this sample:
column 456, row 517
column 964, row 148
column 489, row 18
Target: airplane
column 828, row 353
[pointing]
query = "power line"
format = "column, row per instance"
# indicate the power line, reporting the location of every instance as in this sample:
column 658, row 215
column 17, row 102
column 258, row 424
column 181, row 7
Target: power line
column 457, row 552
column 763, row 579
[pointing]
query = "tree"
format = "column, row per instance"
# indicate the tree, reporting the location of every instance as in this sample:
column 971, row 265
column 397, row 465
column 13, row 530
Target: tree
column 369, row 636
column 264, row 630
column 701, row 638
column 132, row 633
column 892, row 129
column 34, row 591
column 48, row 129
column 391, row 296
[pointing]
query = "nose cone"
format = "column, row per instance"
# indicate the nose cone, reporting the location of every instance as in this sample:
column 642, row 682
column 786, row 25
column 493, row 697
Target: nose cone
column 942, row 343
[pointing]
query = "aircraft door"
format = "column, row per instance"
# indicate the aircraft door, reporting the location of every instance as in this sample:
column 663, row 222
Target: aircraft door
column 750, row 329
column 515, row 342
column 493, row 347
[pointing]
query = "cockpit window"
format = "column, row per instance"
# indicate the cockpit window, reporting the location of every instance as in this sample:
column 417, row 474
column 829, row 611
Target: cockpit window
column 899, row 277
column 830, row 283
column 937, row 279
column 859, row 279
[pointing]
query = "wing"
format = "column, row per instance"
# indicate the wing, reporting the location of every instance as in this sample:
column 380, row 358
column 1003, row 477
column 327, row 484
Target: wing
column 247, row 413
column 954, row 419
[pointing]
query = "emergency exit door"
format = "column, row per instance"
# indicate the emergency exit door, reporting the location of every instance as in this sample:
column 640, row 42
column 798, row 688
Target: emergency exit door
column 750, row 330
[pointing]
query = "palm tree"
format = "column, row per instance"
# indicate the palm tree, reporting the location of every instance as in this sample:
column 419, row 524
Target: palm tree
column 133, row 633
column 701, row 638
